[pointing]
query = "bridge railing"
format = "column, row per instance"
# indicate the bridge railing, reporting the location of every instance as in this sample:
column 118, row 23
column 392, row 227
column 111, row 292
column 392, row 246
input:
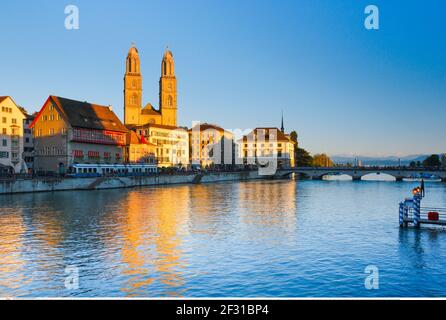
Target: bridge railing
column 425, row 212
column 371, row 168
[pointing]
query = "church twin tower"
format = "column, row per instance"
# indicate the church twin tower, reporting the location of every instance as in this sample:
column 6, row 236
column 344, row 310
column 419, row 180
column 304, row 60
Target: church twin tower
column 134, row 114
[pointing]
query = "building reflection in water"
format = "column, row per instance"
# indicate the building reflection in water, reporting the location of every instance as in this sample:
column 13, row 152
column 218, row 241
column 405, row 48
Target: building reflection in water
column 155, row 222
column 29, row 247
column 12, row 266
column 279, row 212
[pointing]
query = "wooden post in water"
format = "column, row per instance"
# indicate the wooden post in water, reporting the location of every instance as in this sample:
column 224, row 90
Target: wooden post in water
column 417, row 210
column 401, row 214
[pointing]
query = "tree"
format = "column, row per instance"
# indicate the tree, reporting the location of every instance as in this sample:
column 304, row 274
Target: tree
column 293, row 138
column 443, row 159
column 303, row 158
column 432, row 161
column 412, row 164
column 322, row 160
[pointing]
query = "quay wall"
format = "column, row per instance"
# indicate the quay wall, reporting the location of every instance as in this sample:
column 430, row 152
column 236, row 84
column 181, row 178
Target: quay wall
column 65, row 184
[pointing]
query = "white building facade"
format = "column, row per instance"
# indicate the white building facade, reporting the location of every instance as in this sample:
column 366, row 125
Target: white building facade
column 11, row 137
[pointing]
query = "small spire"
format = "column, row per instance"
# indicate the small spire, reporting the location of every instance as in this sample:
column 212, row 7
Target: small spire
column 282, row 127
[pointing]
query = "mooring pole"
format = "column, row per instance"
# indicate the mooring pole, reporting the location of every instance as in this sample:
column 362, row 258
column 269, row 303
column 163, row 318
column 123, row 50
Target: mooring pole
column 401, row 214
column 417, row 210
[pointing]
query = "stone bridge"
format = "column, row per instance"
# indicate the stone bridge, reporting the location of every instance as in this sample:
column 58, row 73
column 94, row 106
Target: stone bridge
column 317, row 173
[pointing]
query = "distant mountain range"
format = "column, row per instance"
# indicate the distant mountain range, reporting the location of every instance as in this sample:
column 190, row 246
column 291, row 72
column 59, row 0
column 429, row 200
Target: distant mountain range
column 379, row 161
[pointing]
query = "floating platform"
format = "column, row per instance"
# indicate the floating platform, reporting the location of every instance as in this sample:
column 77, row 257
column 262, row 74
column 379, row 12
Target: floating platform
column 411, row 213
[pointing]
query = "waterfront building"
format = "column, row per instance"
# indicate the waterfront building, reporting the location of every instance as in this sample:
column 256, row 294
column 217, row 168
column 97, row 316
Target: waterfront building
column 139, row 150
column 134, row 113
column 11, row 137
column 171, row 143
column 68, row 131
column 28, row 141
column 211, row 145
column 267, row 143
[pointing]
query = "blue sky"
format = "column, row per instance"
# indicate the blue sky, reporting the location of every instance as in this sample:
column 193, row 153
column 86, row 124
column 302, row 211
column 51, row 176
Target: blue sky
column 345, row 89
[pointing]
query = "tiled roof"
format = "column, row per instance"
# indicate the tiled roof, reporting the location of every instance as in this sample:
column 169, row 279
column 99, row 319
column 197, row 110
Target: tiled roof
column 268, row 131
column 206, row 126
column 153, row 125
column 3, row 98
column 87, row 115
column 133, row 138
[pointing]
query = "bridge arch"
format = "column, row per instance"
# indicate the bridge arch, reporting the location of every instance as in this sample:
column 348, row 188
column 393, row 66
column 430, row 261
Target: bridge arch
column 380, row 176
column 357, row 173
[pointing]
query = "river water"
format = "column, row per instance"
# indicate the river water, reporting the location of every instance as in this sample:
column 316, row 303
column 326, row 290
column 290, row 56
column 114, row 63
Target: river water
column 282, row 238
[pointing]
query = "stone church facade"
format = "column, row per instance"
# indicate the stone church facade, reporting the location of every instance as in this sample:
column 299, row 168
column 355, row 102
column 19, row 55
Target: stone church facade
column 134, row 113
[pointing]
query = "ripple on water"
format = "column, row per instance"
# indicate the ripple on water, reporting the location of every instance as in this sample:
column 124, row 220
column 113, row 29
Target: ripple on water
column 261, row 238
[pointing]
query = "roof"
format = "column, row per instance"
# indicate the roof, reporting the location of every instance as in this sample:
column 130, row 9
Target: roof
column 133, row 138
column 22, row 110
column 86, row 115
column 150, row 110
column 206, row 126
column 153, row 125
column 168, row 53
column 133, row 51
column 280, row 135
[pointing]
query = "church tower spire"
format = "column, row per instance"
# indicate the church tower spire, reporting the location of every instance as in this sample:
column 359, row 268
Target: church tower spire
column 168, row 90
column 132, row 88
column 282, row 128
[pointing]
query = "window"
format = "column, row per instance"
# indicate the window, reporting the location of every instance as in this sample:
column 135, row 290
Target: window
column 52, row 117
column 4, row 143
column 4, row 154
column 3, row 119
column 14, row 121
column 51, row 131
column 64, row 131
column 4, row 131
column 170, row 101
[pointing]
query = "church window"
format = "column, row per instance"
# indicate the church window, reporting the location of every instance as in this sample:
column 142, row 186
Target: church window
column 170, row 101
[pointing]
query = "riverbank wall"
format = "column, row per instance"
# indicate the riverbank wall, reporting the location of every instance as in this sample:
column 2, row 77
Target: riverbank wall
column 65, row 184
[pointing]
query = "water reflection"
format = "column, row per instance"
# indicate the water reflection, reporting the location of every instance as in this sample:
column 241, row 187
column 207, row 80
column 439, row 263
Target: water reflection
column 154, row 227
column 259, row 238
column 278, row 212
column 12, row 266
